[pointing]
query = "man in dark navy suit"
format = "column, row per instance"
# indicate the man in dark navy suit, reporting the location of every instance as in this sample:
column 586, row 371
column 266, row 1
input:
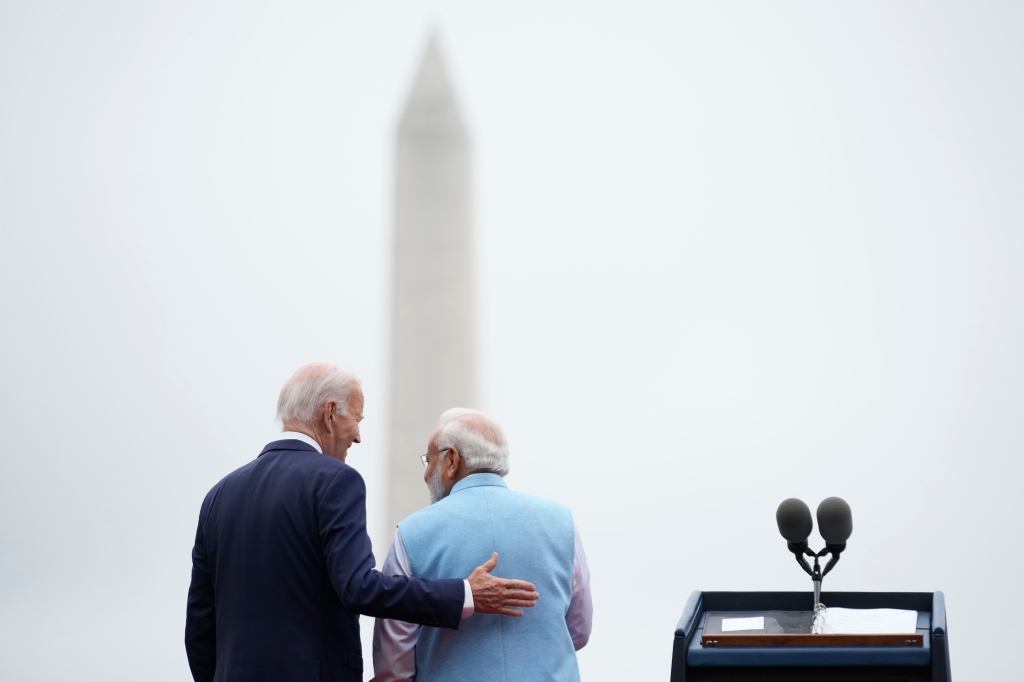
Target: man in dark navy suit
column 282, row 566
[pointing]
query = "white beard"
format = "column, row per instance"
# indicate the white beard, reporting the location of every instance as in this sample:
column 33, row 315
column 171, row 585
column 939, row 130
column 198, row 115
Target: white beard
column 436, row 486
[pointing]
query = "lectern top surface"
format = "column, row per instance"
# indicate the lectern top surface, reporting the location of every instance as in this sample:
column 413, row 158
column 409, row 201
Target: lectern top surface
column 701, row 656
column 770, row 622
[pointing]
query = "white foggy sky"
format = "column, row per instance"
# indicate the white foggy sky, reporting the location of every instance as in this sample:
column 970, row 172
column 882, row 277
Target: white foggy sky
column 729, row 253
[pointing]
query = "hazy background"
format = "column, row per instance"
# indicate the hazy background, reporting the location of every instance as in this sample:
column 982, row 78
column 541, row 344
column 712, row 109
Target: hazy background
column 730, row 253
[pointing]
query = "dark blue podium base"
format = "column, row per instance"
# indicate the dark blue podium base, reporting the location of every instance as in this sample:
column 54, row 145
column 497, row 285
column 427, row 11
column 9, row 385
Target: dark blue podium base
column 693, row 663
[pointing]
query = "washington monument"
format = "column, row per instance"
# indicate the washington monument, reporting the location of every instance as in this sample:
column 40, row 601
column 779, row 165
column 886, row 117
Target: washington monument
column 433, row 324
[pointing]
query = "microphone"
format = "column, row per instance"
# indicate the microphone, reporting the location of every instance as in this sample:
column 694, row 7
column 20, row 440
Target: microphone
column 795, row 524
column 835, row 523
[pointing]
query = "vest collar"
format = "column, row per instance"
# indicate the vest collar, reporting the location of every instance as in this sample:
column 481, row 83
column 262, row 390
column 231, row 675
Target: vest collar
column 474, row 480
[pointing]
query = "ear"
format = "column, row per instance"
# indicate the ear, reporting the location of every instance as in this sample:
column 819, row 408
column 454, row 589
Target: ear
column 453, row 468
column 330, row 415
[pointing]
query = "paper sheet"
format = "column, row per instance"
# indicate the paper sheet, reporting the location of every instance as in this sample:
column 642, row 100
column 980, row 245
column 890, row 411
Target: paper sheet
column 868, row 621
column 735, row 624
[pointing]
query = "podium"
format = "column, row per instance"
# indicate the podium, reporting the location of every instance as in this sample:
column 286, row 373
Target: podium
column 923, row 658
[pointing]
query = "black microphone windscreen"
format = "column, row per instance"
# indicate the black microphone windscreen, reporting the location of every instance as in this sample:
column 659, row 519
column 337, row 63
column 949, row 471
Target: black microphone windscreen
column 794, row 519
column 835, row 520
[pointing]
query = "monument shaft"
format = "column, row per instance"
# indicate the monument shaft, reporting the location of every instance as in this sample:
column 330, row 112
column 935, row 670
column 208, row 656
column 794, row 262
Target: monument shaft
column 433, row 332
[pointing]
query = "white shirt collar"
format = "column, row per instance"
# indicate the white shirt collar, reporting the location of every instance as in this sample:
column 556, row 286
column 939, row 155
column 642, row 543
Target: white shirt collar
column 295, row 435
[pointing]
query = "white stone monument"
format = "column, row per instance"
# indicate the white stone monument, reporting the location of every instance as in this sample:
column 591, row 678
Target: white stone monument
column 433, row 330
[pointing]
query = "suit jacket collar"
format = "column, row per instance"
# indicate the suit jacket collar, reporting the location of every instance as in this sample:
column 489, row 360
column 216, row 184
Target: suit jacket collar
column 287, row 444
column 475, row 480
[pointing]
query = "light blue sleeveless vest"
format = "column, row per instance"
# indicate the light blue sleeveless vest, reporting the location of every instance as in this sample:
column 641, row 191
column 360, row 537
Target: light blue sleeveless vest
column 534, row 540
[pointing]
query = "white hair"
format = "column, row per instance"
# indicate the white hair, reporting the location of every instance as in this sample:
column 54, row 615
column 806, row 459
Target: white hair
column 311, row 387
column 477, row 437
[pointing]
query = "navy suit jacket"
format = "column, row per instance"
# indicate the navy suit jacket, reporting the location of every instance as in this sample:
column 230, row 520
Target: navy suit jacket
column 281, row 568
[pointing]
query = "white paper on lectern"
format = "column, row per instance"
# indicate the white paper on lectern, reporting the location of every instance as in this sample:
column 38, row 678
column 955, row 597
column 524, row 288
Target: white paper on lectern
column 869, row 621
column 751, row 623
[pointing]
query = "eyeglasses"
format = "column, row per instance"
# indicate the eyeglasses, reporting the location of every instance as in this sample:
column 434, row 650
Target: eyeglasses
column 423, row 458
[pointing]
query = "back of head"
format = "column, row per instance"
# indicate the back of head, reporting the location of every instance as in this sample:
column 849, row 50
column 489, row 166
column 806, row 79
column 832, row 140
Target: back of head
column 478, row 438
column 312, row 386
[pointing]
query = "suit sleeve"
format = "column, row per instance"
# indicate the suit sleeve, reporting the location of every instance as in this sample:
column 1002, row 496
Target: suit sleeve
column 341, row 517
column 200, row 617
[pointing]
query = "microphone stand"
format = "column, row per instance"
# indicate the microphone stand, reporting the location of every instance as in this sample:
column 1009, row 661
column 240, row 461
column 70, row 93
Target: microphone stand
column 816, row 577
column 802, row 550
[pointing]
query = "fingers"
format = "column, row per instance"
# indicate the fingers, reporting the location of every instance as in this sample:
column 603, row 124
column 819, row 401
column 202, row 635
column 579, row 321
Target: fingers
column 522, row 595
column 503, row 596
column 486, row 567
column 521, row 603
column 511, row 584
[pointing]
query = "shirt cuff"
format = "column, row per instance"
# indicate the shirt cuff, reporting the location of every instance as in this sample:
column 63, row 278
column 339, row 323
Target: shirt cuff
column 467, row 605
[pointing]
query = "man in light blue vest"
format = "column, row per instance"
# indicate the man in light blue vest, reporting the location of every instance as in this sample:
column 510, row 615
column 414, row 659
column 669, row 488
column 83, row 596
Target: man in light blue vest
column 473, row 511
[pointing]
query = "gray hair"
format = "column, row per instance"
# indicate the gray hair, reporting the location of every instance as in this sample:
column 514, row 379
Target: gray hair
column 477, row 437
column 310, row 388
